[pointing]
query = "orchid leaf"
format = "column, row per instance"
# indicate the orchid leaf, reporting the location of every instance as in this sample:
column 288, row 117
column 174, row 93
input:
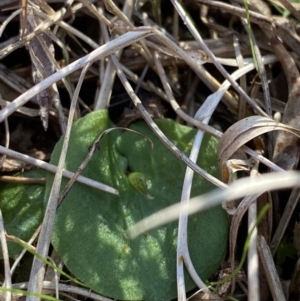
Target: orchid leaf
column 90, row 227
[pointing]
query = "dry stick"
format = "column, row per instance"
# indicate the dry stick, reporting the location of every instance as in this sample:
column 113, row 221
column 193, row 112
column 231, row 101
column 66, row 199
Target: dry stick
column 23, row 180
column 24, row 17
column 38, row 267
column 256, row 18
column 137, row 102
column 252, row 259
column 104, row 95
column 69, row 28
column 105, row 87
column 7, row 275
column 53, row 169
column 234, row 227
column 199, row 39
column 199, row 70
column 270, row 270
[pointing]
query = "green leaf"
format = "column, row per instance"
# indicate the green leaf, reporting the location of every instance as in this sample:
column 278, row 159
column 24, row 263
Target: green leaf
column 285, row 250
column 22, row 208
column 90, row 228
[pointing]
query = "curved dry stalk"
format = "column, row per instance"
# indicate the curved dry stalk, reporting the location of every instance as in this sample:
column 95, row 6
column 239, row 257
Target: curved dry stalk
column 38, row 267
column 6, row 22
column 183, row 257
column 245, row 130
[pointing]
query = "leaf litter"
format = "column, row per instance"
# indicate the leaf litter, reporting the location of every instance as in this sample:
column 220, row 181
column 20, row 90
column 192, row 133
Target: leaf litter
column 240, row 113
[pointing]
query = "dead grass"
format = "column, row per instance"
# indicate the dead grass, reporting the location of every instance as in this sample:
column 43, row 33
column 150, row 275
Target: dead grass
column 198, row 71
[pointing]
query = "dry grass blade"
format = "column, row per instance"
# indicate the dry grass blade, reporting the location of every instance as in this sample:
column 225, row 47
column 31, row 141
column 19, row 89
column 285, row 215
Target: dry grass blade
column 252, row 259
column 270, row 270
column 245, row 130
column 240, row 188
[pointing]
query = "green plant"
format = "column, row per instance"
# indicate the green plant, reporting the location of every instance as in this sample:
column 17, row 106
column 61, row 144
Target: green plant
column 90, row 228
column 22, row 208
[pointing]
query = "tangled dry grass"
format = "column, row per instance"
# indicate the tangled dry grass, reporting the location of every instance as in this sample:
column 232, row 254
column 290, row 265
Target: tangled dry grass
column 228, row 68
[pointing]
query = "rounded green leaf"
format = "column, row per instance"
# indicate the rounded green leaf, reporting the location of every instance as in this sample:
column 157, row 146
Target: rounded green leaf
column 90, row 228
column 22, row 208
